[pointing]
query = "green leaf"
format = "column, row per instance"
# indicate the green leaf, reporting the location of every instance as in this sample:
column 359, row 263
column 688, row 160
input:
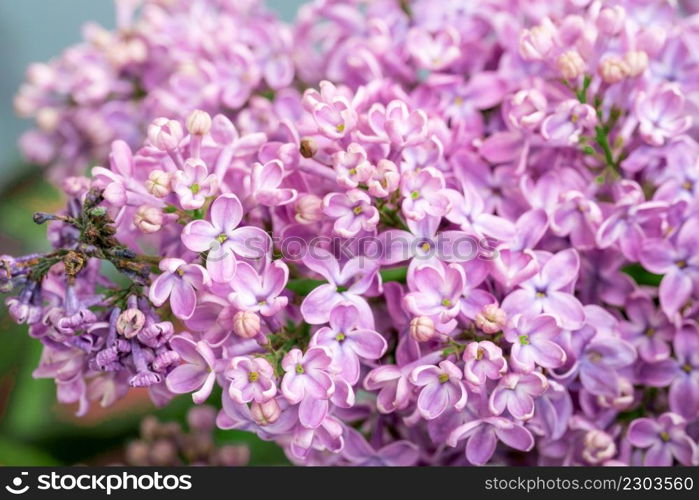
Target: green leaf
column 15, row 453
column 641, row 276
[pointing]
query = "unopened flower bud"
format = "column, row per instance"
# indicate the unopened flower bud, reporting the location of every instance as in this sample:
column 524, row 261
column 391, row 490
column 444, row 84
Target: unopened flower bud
column 611, row 20
column 165, row 134
column 309, row 209
column 491, row 319
column 422, row 328
column 130, row 322
column 570, row 64
column 48, row 118
column 40, row 74
column 137, row 453
column 621, row 402
column 613, row 70
column 636, row 62
column 526, row 109
column 308, row 148
column 202, row 418
column 233, row 455
column 75, row 185
column 537, row 42
column 599, row 447
column 148, row 219
column 163, row 452
column 199, row 122
column 158, row 183
column 24, row 105
column 265, row 413
column 246, row 324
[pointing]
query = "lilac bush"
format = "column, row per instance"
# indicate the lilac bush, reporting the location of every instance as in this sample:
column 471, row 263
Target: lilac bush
column 394, row 233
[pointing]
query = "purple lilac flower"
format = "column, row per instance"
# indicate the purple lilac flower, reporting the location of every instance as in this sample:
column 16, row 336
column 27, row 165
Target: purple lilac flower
column 663, row 440
column 347, row 342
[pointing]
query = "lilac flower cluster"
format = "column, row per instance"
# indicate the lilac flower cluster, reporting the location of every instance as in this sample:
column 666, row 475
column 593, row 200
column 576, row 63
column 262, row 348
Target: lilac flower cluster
column 166, row 57
column 557, row 135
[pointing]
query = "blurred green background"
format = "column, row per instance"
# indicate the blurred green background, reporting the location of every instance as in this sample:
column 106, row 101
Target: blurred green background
column 34, row 429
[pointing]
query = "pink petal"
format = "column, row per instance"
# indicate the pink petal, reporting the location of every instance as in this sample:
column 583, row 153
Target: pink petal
column 186, row 378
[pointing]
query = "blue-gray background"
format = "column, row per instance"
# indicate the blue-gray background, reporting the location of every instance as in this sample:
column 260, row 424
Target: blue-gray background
column 37, row 30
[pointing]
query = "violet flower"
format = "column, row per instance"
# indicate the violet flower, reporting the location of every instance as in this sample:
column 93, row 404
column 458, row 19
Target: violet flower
column 251, row 379
column 178, row 283
column 548, row 291
column 516, row 392
column 441, row 389
column 661, row 115
column 663, row 440
column 436, row 291
column 260, row 292
column 483, row 435
column 344, row 284
column 533, row 342
column 307, row 381
column 352, row 211
column 223, row 239
column 347, row 342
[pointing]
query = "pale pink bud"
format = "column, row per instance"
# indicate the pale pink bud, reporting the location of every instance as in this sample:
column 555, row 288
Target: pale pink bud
column 201, row 418
column 385, row 179
column 40, row 74
column 621, row 402
column 636, row 62
column 570, row 64
column 74, row 186
column 309, row 209
column 148, row 219
column 491, row 319
column 199, row 122
column 613, row 70
column 165, row 134
column 611, row 20
column 25, row 106
column 138, row 50
column 537, row 42
column 47, row 118
column 265, row 413
column 128, row 51
column 98, row 36
column 158, row 183
column 246, row 324
column 598, row 447
column 422, row 328
column 525, row 109
column 233, row 455
column 130, row 322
